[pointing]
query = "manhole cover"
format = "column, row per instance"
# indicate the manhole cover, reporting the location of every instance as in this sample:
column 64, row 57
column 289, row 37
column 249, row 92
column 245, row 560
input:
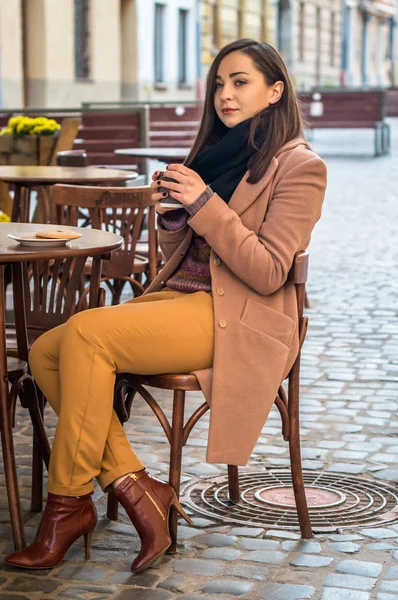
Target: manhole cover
column 335, row 501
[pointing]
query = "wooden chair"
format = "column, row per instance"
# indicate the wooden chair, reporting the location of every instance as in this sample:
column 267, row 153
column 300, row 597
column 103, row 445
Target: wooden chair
column 71, row 158
column 122, row 211
column 45, row 295
column 177, row 432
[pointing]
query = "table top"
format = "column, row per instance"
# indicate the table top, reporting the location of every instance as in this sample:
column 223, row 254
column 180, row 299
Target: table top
column 92, row 243
column 164, row 154
column 51, row 175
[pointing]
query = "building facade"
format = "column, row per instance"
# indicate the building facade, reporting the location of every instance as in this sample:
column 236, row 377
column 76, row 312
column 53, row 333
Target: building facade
column 64, row 52
column 370, row 42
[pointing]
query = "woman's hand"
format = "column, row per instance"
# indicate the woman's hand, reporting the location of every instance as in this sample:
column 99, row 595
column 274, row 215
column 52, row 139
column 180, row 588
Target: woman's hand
column 157, row 196
column 189, row 184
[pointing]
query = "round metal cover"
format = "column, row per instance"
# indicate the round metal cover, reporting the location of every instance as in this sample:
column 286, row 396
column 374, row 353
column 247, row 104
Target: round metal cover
column 336, row 501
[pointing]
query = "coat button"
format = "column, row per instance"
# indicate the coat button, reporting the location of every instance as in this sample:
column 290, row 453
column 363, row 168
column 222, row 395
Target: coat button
column 222, row 323
column 217, row 262
column 220, row 291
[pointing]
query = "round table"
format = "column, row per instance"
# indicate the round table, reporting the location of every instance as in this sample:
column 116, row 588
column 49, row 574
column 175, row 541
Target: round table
column 24, row 178
column 162, row 154
column 93, row 243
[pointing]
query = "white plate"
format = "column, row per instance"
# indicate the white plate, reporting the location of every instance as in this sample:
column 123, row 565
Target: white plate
column 26, row 239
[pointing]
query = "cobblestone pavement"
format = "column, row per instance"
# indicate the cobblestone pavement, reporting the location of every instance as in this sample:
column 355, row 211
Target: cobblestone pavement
column 349, row 426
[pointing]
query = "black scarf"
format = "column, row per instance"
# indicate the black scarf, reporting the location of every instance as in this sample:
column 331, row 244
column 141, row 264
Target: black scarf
column 223, row 165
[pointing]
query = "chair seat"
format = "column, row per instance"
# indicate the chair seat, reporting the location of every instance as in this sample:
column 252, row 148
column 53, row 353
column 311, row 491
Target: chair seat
column 169, row 381
column 16, row 367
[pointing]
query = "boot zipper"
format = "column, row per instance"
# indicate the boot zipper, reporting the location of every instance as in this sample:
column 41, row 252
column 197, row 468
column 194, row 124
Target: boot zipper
column 134, row 476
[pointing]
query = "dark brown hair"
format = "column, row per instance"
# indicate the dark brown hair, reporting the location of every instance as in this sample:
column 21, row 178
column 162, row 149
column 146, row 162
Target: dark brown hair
column 285, row 121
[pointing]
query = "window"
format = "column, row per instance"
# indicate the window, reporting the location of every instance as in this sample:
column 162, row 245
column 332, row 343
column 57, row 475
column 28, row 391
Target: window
column 318, row 46
column 159, row 42
column 241, row 20
column 332, row 39
column 301, row 31
column 82, row 40
column 183, row 16
column 216, row 25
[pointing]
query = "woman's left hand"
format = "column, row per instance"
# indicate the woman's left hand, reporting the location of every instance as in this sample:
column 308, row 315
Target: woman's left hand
column 189, row 184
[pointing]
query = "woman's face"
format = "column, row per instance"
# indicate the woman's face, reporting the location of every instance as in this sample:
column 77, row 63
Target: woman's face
column 241, row 90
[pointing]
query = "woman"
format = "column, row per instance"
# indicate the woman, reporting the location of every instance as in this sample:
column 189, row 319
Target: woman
column 222, row 308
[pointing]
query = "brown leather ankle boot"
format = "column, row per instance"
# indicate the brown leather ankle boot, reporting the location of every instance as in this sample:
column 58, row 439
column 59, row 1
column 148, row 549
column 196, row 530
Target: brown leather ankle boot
column 65, row 519
column 147, row 502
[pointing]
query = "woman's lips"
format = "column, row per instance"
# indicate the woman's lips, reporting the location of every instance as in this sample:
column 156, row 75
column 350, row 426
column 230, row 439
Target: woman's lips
column 228, row 111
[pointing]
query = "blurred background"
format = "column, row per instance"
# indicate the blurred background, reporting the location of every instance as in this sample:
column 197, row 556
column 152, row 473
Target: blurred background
column 60, row 53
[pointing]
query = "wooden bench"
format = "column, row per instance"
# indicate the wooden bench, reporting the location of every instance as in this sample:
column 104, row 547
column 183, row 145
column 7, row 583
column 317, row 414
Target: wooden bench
column 392, row 102
column 348, row 109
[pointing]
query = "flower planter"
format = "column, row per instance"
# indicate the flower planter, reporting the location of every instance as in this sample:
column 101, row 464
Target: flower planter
column 27, row 149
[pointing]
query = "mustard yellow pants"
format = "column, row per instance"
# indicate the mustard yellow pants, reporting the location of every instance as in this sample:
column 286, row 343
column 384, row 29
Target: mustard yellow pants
column 75, row 366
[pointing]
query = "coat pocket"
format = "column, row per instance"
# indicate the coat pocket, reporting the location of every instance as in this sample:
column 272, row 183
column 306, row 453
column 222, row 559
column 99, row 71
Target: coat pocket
column 269, row 321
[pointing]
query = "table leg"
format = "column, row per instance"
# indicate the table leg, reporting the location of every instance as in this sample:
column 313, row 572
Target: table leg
column 16, row 203
column 6, row 433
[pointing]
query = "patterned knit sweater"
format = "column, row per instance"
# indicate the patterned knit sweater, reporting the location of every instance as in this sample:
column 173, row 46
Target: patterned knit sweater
column 193, row 274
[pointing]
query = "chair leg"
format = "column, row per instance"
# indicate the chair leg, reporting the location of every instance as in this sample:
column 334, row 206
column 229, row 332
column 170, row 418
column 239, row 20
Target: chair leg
column 233, row 484
column 112, row 508
column 295, row 457
column 175, row 460
column 36, row 495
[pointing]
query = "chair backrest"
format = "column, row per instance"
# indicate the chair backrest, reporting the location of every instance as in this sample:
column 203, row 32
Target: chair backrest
column 66, row 137
column 53, row 291
column 118, row 210
column 72, row 158
column 298, row 275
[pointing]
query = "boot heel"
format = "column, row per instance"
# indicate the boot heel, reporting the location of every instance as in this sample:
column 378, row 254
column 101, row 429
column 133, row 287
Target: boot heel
column 182, row 512
column 87, row 544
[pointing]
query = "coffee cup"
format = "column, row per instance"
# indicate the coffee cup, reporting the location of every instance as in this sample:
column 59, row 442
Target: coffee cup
column 169, row 202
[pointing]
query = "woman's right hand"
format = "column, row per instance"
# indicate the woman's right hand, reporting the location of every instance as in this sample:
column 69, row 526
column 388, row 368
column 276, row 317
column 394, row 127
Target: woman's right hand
column 157, row 196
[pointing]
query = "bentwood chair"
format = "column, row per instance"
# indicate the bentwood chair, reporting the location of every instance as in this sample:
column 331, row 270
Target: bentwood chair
column 52, row 292
column 177, row 433
column 121, row 211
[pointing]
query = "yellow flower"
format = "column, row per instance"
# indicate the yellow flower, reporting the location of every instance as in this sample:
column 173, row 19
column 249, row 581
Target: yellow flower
column 4, row 218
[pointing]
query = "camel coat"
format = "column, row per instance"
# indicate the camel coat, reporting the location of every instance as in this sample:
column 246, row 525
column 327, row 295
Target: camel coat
column 253, row 242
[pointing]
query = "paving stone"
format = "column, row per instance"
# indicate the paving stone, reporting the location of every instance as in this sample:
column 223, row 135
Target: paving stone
column 355, row 581
column 383, row 596
column 221, row 553
column 143, row 594
column 79, row 592
column 389, row 586
column 347, row 537
column 224, row 586
column 341, row 594
column 357, row 567
column 381, row 546
column 248, row 572
column 392, row 573
column 307, row 560
column 146, row 579
column 302, row 546
column 287, row 535
column 286, row 591
column 379, row 533
column 267, row 557
column 31, row 584
column 387, row 475
column 350, row 468
column 256, row 544
column 69, row 572
column 348, row 547
column 246, row 531
column 217, row 539
column 195, row 566
column 174, row 584
column 14, row 597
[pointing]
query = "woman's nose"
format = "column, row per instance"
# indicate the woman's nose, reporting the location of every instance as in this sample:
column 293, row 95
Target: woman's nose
column 226, row 93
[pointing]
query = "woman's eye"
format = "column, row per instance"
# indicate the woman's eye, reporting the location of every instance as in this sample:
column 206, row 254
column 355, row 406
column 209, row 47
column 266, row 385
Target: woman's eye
column 218, row 86
column 239, row 82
